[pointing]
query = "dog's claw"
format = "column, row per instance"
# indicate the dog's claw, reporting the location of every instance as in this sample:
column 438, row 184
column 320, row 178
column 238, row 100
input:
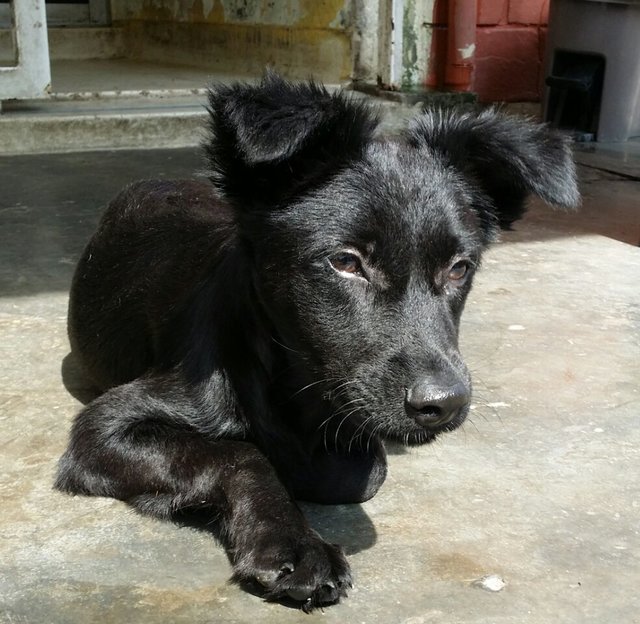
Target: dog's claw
column 307, row 607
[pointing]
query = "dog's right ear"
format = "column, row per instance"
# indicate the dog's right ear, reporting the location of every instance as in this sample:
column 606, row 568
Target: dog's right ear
column 272, row 140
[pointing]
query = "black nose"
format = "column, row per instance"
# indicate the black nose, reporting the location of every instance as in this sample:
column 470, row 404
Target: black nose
column 433, row 404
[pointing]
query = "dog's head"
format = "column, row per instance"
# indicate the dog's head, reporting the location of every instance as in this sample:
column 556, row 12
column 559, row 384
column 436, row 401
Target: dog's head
column 364, row 250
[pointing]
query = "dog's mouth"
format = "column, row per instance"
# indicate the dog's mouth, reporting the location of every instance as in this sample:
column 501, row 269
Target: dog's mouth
column 405, row 427
column 410, row 418
column 415, row 431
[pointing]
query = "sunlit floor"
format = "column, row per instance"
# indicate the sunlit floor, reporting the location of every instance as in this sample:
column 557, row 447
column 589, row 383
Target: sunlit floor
column 541, row 487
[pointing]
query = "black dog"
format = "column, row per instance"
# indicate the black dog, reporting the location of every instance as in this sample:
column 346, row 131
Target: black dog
column 257, row 338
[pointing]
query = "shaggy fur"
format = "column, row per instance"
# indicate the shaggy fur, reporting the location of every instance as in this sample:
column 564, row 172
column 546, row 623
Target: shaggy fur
column 259, row 337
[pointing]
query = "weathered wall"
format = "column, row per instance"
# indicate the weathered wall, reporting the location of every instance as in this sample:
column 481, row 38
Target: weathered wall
column 299, row 37
column 339, row 40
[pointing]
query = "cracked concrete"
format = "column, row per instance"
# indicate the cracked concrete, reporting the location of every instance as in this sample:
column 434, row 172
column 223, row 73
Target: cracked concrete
column 540, row 487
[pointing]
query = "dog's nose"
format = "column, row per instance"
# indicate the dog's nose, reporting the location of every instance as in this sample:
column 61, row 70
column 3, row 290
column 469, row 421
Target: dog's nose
column 434, row 404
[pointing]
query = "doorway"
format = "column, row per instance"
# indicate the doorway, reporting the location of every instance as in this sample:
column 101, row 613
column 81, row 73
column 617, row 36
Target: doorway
column 65, row 12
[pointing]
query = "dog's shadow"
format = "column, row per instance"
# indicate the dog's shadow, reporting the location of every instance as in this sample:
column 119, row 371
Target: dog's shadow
column 347, row 525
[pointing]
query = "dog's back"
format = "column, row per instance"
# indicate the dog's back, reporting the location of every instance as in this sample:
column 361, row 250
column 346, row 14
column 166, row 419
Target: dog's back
column 156, row 244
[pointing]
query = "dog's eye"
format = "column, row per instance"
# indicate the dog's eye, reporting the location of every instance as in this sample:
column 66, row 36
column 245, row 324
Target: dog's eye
column 347, row 263
column 458, row 271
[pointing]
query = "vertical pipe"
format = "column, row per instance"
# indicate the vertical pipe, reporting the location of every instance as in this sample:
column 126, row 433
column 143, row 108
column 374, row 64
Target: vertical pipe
column 461, row 44
column 397, row 40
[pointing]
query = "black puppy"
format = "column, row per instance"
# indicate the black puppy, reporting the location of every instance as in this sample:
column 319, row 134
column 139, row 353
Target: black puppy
column 257, row 338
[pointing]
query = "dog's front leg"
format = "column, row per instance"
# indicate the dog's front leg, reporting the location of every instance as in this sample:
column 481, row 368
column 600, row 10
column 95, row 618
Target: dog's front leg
column 271, row 540
column 141, row 448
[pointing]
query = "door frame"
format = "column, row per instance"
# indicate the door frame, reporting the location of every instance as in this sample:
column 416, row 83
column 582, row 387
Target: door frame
column 30, row 77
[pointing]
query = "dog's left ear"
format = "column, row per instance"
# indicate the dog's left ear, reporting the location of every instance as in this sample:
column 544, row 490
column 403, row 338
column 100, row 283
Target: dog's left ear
column 508, row 157
column 271, row 140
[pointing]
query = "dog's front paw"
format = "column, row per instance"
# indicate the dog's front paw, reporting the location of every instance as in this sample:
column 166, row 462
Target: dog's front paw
column 308, row 570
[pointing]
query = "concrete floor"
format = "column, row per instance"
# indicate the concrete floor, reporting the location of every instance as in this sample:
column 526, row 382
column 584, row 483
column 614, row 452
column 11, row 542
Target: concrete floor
column 541, row 487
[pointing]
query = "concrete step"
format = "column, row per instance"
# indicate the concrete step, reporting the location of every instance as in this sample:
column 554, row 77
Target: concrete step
column 130, row 120
column 160, row 119
column 109, row 104
column 99, row 104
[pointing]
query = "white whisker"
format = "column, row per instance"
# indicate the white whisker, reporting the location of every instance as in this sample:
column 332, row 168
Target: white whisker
column 284, row 346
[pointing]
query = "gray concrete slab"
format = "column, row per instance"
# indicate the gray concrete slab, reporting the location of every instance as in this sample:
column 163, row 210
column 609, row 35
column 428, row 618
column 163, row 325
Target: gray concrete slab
column 540, row 487
column 622, row 158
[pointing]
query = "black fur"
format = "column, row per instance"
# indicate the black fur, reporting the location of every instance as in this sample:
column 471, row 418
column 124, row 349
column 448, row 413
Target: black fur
column 257, row 339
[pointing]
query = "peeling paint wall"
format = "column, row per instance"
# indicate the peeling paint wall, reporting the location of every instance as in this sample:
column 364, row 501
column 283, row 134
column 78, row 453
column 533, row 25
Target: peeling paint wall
column 294, row 13
column 416, row 42
column 298, row 37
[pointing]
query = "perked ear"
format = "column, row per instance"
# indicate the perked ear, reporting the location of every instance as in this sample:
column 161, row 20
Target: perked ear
column 507, row 156
column 271, row 140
